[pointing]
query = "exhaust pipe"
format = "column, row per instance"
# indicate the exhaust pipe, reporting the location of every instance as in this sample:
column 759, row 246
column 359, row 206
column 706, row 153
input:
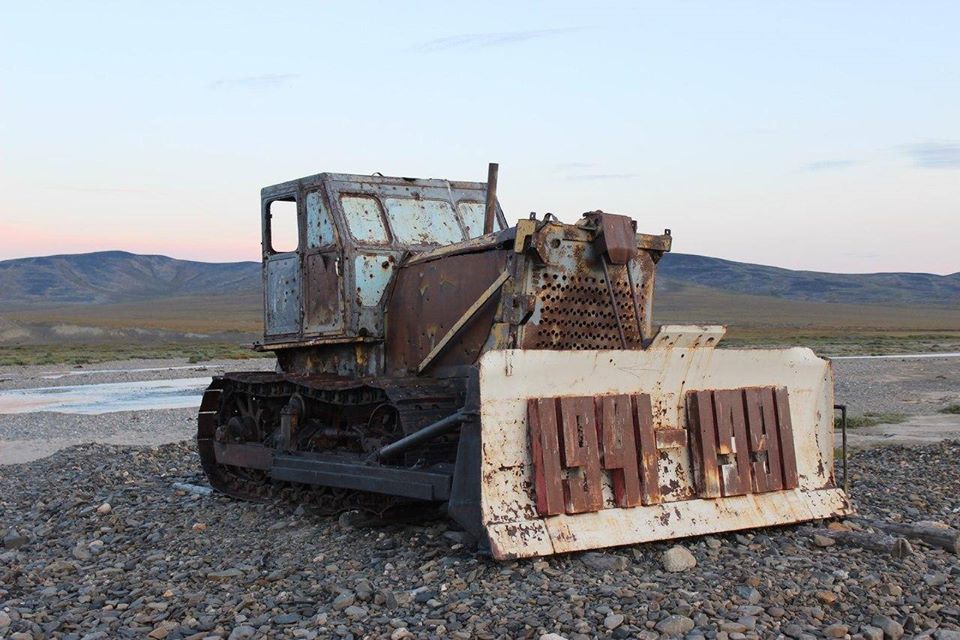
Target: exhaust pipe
column 490, row 213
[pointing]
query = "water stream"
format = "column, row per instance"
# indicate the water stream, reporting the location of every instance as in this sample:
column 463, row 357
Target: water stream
column 92, row 399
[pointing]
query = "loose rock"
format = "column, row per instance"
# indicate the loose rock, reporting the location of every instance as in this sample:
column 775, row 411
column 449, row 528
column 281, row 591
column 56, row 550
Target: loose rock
column 674, row 625
column 677, row 558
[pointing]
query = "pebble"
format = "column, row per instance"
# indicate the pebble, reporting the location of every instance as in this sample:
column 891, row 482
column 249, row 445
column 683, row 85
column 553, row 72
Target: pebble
column 354, row 611
column 748, row 593
column 823, row 541
column 14, row 540
column 104, row 509
column 344, row 600
column 677, row 558
column 749, row 622
column 675, row 625
column 871, row 633
column 603, row 561
column 225, row 575
column 613, row 620
column 890, row 627
column 935, row 579
column 242, row 632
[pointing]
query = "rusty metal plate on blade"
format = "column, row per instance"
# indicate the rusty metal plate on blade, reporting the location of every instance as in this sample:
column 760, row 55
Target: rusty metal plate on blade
column 575, row 440
column 742, row 441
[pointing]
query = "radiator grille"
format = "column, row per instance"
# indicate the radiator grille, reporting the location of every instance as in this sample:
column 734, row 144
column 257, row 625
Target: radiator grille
column 576, row 311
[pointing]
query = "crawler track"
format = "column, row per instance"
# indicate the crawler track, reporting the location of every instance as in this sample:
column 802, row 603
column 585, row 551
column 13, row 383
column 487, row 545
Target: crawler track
column 260, row 396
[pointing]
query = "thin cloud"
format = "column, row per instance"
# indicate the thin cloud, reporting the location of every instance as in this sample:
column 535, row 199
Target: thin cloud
column 98, row 189
column 604, row 176
column 829, row 165
column 265, row 81
column 485, row 40
column 939, row 154
column 571, row 166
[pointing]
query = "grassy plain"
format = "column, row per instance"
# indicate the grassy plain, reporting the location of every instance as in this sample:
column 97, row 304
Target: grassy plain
column 50, row 354
column 827, row 328
column 224, row 326
column 189, row 314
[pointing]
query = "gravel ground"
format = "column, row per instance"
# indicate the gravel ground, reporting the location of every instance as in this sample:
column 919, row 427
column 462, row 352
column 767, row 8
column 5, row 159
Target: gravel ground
column 910, row 386
column 30, row 436
column 164, row 564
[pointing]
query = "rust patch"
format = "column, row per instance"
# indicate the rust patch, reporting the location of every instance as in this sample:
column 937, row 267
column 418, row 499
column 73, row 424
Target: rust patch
column 428, row 298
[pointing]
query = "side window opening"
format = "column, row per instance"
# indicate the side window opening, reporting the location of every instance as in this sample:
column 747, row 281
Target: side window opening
column 283, row 231
column 320, row 229
column 365, row 219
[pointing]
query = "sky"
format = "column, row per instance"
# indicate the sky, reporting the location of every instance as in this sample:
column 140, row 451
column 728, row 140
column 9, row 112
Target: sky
column 809, row 135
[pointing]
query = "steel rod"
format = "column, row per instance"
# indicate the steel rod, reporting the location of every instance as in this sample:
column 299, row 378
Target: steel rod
column 463, row 320
column 843, row 439
column 613, row 301
column 636, row 305
column 429, row 432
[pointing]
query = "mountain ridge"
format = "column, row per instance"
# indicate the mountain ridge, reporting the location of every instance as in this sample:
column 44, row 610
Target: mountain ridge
column 104, row 277
column 929, row 289
column 117, row 276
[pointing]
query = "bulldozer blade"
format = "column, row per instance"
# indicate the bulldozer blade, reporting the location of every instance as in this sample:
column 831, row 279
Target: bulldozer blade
column 590, row 449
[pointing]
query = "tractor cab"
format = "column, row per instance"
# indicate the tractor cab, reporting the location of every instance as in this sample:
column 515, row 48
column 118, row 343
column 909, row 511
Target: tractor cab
column 332, row 244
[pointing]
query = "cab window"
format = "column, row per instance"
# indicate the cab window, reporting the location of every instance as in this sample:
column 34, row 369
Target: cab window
column 472, row 214
column 423, row 221
column 364, row 219
column 320, row 229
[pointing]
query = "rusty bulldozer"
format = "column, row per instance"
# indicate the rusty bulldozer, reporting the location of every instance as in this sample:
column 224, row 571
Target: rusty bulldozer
column 427, row 352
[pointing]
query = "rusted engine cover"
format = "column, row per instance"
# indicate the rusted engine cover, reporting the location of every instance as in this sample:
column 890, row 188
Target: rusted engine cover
column 429, row 297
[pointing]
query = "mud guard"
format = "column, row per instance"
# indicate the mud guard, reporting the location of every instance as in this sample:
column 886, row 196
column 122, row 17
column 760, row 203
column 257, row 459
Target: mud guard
column 590, row 449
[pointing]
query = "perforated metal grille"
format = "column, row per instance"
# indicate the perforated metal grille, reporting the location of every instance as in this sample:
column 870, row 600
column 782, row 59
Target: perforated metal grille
column 576, row 311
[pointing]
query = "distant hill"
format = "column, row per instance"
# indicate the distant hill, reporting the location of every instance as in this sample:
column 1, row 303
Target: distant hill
column 679, row 270
column 117, row 276
column 110, row 277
